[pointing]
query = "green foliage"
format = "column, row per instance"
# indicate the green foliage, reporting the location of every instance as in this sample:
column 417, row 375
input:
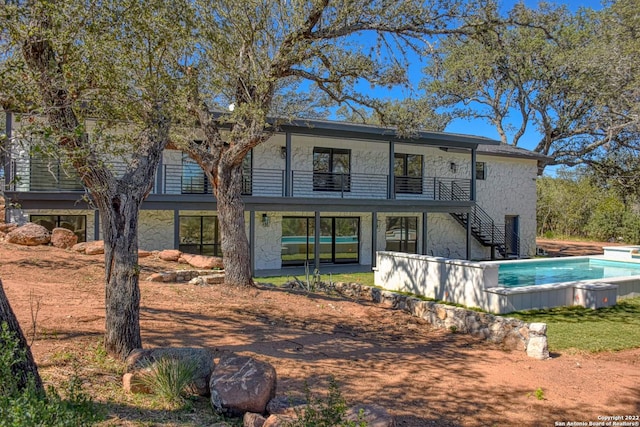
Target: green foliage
column 539, row 393
column 575, row 204
column 27, row 407
column 571, row 76
column 582, row 329
column 330, row 411
column 169, row 378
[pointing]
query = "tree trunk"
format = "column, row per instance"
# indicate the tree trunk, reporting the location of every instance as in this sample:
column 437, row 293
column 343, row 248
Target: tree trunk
column 235, row 245
column 26, row 368
column 122, row 294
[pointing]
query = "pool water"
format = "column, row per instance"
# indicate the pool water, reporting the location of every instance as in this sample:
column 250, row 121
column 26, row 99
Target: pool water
column 545, row 271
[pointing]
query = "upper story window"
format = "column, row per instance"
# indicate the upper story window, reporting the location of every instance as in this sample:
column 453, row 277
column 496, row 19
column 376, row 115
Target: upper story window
column 481, row 170
column 331, row 169
column 407, row 171
column 194, row 180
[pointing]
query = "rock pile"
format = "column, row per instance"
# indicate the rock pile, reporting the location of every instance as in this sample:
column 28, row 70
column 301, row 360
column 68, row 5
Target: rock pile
column 238, row 386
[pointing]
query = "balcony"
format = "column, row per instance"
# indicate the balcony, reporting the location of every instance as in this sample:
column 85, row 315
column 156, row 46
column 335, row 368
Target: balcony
column 25, row 176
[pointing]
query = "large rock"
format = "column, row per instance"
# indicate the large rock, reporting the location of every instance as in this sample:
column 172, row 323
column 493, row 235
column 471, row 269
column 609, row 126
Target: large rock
column 7, row 227
column 169, row 255
column 29, row 234
column 63, row 238
column 80, row 247
column 143, row 359
column 94, row 248
column 242, row 384
column 201, row 262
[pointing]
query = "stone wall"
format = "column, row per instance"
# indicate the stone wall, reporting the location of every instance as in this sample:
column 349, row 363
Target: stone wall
column 510, row 333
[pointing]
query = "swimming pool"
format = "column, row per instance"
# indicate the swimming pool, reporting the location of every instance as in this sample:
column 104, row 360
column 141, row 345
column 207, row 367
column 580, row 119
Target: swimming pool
column 541, row 272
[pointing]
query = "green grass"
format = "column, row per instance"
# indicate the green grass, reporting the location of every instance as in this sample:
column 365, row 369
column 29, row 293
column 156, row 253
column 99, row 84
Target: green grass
column 581, row 329
column 363, row 278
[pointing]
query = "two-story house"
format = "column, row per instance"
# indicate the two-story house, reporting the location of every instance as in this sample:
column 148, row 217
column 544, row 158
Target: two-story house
column 318, row 192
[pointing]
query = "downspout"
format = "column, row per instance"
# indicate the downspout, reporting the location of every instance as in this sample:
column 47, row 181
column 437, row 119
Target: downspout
column 252, row 241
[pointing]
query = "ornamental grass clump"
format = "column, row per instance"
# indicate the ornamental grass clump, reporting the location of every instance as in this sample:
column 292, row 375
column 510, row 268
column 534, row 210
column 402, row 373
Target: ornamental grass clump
column 169, row 379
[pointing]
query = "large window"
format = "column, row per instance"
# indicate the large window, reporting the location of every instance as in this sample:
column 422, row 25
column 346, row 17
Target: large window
column 407, row 170
column 75, row 223
column 194, row 181
column 331, row 169
column 401, row 235
column 339, row 240
column 200, row 235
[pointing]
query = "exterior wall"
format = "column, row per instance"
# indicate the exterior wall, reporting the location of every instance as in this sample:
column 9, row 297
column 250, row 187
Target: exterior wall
column 510, row 189
column 155, row 230
column 447, row 238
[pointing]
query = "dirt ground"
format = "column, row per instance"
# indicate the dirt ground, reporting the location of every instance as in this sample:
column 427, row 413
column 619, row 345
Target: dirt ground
column 424, row 377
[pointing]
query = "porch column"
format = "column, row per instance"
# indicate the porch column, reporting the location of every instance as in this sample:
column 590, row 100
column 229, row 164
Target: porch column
column 160, row 177
column 96, row 225
column 176, row 229
column 5, row 157
column 391, row 191
column 252, row 241
column 374, row 238
column 473, row 174
column 424, row 234
column 288, row 178
column 316, row 240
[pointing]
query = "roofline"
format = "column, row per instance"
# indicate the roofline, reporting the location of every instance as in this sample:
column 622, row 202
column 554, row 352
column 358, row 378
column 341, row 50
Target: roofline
column 364, row 131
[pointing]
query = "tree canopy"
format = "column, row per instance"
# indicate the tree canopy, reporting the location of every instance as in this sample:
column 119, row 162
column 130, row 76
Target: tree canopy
column 572, row 78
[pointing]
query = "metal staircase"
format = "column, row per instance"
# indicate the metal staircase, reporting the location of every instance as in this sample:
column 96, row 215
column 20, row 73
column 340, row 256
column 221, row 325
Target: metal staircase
column 483, row 227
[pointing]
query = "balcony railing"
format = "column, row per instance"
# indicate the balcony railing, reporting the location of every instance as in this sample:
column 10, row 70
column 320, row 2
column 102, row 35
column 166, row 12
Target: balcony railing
column 25, row 176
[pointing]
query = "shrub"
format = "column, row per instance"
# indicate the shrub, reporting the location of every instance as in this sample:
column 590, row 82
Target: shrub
column 28, row 407
column 328, row 412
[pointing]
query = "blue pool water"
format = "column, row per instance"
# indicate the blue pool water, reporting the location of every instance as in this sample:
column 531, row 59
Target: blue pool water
column 546, row 271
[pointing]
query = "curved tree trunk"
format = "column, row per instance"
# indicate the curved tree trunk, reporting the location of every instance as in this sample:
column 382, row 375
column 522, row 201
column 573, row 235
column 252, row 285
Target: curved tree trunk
column 122, row 292
column 235, row 245
column 27, row 368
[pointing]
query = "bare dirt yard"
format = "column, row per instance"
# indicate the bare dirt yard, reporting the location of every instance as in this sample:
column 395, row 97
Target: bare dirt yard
column 425, row 377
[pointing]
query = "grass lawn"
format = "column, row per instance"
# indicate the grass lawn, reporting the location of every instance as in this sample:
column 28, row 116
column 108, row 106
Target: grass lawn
column 582, row 329
column 364, row 278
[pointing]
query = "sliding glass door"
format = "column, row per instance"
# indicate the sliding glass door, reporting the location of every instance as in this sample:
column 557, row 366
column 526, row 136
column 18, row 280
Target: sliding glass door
column 339, row 240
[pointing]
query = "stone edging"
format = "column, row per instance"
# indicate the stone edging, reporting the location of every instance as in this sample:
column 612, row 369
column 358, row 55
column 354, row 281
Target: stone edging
column 512, row 334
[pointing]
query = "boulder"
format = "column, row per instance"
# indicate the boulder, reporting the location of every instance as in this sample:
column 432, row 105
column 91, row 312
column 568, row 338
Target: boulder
column 242, row 384
column 202, row 262
column 94, row 248
column 63, row 238
column 169, row 255
column 372, row 415
column 143, row 359
column 286, row 405
column 253, row 420
column 143, row 254
column 29, row 234
column 132, row 383
column 80, row 247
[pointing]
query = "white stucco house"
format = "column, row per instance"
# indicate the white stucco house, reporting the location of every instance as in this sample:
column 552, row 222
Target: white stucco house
column 355, row 189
